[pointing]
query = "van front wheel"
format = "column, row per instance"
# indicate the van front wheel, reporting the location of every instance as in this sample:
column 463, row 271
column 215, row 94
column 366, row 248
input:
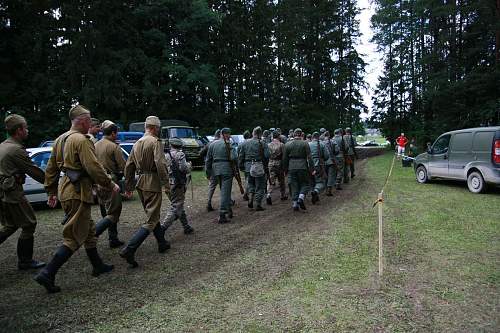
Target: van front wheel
column 421, row 174
column 475, row 182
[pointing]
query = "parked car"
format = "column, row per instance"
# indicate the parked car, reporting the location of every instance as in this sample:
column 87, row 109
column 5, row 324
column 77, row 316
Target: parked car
column 33, row 190
column 49, row 143
column 472, row 155
column 369, row 143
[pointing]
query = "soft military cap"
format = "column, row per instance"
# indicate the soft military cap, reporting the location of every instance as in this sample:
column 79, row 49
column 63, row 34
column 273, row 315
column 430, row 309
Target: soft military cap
column 77, row 111
column 337, row 131
column 175, row 142
column 297, row 131
column 322, row 130
column 348, row 130
column 14, row 120
column 217, row 132
column 105, row 124
column 315, row 135
column 95, row 122
column 153, row 120
column 225, row 130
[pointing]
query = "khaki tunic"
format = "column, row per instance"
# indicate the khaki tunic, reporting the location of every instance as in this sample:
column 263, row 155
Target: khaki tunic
column 16, row 212
column 275, row 165
column 76, row 200
column 111, row 157
column 147, row 158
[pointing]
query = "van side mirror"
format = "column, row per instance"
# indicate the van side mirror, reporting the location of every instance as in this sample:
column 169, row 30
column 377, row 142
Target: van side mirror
column 429, row 151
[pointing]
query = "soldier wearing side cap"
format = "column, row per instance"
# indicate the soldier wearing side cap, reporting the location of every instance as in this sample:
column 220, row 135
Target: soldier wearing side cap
column 276, row 174
column 213, row 180
column 350, row 155
column 95, row 128
column 147, row 159
column 16, row 212
column 74, row 155
column 331, row 163
column 299, row 166
column 110, row 155
column 322, row 131
column 253, row 159
column 179, row 173
column 246, row 136
column 220, row 162
column 319, row 155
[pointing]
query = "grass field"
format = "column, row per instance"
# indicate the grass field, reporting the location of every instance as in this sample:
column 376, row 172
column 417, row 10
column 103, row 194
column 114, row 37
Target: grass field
column 278, row 271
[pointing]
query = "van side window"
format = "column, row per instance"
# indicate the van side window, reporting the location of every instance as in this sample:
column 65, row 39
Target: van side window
column 441, row 145
column 483, row 141
column 461, row 142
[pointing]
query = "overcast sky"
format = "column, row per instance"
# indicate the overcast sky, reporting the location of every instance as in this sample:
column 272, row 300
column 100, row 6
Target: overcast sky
column 368, row 51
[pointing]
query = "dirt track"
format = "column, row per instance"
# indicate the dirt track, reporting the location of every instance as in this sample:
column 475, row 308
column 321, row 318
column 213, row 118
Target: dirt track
column 213, row 252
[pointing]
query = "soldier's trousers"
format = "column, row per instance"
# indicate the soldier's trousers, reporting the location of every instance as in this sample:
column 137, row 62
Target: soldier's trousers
column 226, row 186
column 176, row 210
column 257, row 187
column 349, row 167
column 17, row 215
column 212, row 185
column 299, row 181
column 276, row 174
column 331, row 172
column 80, row 228
column 339, row 172
column 319, row 182
column 151, row 203
column 113, row 209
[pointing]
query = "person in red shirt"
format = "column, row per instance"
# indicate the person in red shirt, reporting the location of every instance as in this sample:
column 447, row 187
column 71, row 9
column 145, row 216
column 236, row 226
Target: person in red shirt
column 401, row 141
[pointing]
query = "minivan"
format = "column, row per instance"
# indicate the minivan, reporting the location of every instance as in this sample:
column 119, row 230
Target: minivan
column 472, row 155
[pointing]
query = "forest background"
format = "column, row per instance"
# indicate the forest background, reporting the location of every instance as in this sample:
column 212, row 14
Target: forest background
column 280, row 63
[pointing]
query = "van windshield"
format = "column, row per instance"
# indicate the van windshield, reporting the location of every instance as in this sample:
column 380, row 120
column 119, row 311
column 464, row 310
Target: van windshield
column 441, row 145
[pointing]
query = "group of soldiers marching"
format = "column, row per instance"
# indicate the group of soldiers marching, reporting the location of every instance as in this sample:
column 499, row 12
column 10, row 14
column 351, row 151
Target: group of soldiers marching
column 269, row 158
column 81, row 166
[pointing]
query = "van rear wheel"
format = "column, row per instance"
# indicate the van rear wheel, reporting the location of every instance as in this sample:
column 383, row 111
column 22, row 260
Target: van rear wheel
column 475, row 182
column 421, row 174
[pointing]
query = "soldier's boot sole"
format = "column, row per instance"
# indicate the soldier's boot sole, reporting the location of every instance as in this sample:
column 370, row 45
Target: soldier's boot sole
column 314, row 197
column 210, row 208
column 162, row 248
column 188, row 230
column 259, row 208
column 129, row 258
column 104, row 268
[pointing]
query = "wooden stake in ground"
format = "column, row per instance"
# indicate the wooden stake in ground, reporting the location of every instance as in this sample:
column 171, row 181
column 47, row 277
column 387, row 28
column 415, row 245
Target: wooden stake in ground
column 380, row 234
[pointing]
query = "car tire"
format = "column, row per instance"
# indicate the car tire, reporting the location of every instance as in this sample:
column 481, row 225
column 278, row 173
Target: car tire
column 421, row 174
column 475, row 182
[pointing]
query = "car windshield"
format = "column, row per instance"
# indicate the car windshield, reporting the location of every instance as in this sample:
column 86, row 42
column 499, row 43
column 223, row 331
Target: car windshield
column 41, row 159
column 127, row 148
column 180, row 132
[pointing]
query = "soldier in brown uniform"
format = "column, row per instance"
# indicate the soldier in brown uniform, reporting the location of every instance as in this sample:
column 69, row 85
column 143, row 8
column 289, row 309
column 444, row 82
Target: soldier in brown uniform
column 95, row 128
column 276, row 172
column 147, row 158
column 74, row 155
column 110, row 155
column 16, row 212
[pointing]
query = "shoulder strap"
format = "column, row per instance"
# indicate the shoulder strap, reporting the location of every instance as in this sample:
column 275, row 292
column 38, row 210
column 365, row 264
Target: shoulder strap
column 64, row 144
column 261, row 151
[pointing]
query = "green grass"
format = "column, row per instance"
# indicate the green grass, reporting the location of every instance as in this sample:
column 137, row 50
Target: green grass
column 313, row 272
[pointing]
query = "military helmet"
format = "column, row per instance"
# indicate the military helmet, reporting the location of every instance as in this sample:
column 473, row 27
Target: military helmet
column 175, row 142
column 322, row 130
column 225, row 130
column 315, row 135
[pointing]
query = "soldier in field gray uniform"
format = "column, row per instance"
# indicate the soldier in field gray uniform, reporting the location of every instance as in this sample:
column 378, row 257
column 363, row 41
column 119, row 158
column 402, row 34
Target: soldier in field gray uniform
column 213, row 181
column 298, row 164
column 338, row 155
column 253, row 159
column 331, row 163
column 350, row 155
column 221, row 158
column 319, row 155
column 179, row 169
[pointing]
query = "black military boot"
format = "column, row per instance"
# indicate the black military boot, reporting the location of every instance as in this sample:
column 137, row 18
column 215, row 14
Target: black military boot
column 25, row 255
column 269, row 200
column 159, row 233
column 209, row 207
column 301, row 203
column 314, row 197
column 329, row 191
column 47, row 276
column 128, row 252
column 114, row 242
column 3, row 237
column 284, row 197
column 98, row 267
column 185, row 224
column 245, row 197
column 250, row 200
column 222, row 219
column 102, row 225
column 338, row 187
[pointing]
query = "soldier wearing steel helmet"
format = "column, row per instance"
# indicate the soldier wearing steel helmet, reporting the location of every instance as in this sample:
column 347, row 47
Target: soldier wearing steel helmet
column 319, row 155
column 350, row 155
column 16, row 212
column 179, row 170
